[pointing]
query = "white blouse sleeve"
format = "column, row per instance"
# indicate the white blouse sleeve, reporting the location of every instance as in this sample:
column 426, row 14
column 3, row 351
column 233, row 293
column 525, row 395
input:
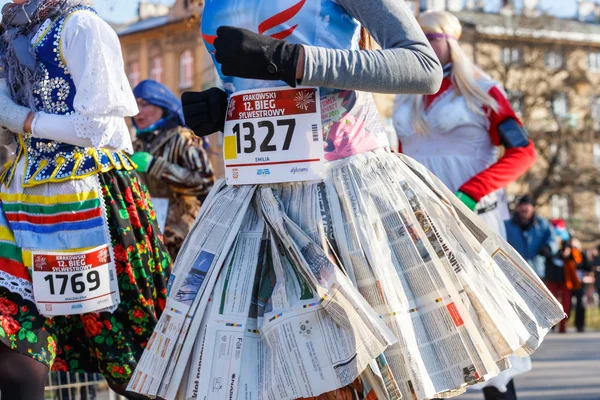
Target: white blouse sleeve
column 92, row 53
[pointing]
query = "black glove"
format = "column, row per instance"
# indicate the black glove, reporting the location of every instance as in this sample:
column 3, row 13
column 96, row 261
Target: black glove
column 205, row 111
column 246, row 54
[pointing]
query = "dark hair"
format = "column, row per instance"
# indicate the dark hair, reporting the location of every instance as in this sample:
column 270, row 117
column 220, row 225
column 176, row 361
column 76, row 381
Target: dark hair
column 526, row 199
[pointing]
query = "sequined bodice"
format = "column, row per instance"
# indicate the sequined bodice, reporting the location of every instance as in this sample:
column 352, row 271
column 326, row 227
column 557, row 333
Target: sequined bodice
column 54, row 93
column 54, row 90
column 47, row 161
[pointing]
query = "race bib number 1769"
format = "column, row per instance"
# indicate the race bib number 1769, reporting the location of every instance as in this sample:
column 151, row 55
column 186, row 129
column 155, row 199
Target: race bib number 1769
column 67, row 283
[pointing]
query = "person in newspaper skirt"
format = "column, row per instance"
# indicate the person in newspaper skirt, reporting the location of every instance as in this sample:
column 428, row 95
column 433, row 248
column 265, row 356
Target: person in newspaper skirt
column 172, row 160
column 369, row 280
column 83, row 269
column 456, row 134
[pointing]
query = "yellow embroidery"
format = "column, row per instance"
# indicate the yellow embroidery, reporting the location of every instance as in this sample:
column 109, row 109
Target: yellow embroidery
column 43, row 35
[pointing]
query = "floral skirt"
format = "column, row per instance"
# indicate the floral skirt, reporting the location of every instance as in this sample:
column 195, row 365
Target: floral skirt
column 109, row 343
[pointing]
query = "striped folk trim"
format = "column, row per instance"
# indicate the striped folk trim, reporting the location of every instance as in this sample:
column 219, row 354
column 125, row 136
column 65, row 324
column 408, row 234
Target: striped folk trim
column 47, row 200
column 11, row 261
column 49, row 219
column 61, row 227
column 10, row 251
column 36, row 209
column 52, row 214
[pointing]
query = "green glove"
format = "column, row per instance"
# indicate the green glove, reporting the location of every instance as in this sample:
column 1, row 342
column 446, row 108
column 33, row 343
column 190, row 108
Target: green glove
column 143, row 161
column 467, row 200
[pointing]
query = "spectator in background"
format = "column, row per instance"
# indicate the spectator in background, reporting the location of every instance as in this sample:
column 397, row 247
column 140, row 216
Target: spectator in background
column 457, row 132
column 583, row 271
column 531, row 235
column 561, row 273
column 594, row 257
column 171, row 159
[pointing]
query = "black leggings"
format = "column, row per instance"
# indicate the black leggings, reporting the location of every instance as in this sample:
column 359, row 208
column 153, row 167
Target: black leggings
column 21, row 377
column 491, row 393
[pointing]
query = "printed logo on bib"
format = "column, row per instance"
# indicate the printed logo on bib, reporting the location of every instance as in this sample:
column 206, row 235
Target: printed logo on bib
column 272, row 136
column 67, row 283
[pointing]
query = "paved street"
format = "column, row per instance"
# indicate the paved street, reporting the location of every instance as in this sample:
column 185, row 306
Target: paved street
column 566, row 367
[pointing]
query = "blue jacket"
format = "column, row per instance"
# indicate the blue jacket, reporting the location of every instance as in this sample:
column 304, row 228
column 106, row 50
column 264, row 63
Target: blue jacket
column 529, row 242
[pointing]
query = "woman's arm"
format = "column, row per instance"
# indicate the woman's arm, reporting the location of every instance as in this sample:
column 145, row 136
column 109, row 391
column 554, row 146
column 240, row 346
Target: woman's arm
column 519, row 152
column 407, row 63
column 92, row 52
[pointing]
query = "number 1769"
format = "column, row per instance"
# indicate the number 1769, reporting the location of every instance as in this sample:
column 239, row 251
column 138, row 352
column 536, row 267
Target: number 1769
column 77, row 286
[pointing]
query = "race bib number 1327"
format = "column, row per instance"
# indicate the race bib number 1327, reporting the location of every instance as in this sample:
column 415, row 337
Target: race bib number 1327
column 272, row 136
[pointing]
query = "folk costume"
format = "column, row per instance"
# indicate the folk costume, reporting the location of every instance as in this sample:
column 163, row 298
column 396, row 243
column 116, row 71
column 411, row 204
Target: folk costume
column 72, row 201
column 174, row 163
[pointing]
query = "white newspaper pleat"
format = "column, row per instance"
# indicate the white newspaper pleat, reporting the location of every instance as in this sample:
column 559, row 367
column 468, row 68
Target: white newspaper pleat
column 447, row 354
column 351, row 332
column 193, row 275
column 293, row 290
column 533, row 303
column 227, row 317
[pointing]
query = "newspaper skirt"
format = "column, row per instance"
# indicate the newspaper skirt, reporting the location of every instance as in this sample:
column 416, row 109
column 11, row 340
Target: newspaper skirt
column 294, row 290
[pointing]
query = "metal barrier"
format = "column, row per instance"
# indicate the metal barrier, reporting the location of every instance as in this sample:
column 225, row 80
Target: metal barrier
column 69, row 386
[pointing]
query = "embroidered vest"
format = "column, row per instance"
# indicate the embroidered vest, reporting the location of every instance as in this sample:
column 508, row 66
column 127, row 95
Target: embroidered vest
column 54, row 93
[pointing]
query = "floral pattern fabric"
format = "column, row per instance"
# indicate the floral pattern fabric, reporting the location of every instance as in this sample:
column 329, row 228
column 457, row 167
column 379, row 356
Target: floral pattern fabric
column 102, row 342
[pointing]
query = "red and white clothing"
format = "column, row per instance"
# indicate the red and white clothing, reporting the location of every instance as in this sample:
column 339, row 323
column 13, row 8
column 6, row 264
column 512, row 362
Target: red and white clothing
column 461, row 147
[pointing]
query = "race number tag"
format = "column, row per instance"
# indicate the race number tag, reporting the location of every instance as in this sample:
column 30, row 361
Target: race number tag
column 74, row 282
column 273, row 135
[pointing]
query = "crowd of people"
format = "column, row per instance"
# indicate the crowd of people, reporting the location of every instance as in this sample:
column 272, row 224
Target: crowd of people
column 64, row 105
column 558, row 258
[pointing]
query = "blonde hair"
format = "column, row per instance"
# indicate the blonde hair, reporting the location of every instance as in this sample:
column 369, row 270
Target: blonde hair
column 464, row 73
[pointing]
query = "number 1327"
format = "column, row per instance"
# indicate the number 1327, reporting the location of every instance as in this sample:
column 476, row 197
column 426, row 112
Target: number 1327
column 246, row 142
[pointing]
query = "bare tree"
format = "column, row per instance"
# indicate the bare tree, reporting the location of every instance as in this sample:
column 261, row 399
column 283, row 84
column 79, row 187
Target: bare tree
column 547, row 83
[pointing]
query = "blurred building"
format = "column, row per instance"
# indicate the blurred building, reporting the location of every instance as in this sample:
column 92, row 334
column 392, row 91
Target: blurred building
column 164, row 44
